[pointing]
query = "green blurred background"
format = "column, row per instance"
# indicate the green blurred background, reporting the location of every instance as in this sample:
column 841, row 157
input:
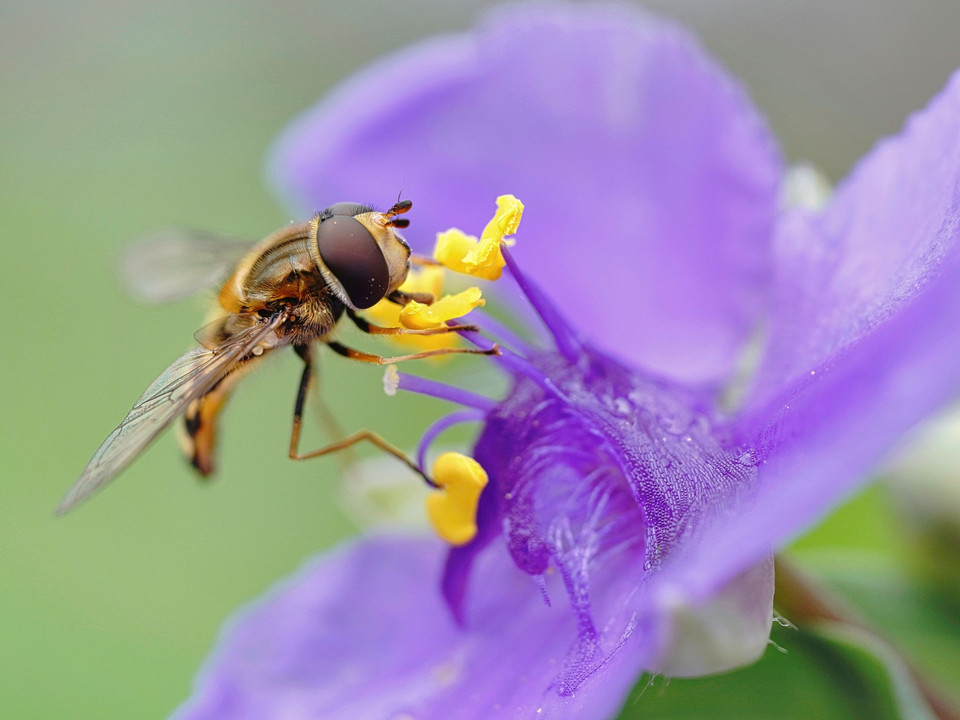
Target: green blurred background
column 120, row 117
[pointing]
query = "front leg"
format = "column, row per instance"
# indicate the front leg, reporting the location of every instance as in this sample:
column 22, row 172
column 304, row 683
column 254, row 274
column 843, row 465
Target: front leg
column 349, row 352
column 372, row 329
column 400, row 297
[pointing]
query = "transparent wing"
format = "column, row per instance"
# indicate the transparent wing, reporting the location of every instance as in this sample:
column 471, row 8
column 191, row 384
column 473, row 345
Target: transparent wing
column 189, row 377
column 174, row 263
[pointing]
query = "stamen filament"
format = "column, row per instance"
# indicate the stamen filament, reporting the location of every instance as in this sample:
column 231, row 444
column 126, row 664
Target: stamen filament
column 439, row 426
column 567, row 342
column 423, row 386
column 515, row 363
column 498, row 329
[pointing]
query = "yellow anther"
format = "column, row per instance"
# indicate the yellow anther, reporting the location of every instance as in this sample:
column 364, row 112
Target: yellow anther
column 426, row 279
column 452, row 508
column 481, row 258
column 418, row 316
column 506, row 220
column 465, row 254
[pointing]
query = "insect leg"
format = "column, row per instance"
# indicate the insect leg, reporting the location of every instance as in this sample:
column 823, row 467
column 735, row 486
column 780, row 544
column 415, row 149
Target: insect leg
column 361, row 435
column 304, row 352
column 329, row 422
column 399, row 297
column 348, row 352
column 352, row 440
column 372, row 329
column 423, row 260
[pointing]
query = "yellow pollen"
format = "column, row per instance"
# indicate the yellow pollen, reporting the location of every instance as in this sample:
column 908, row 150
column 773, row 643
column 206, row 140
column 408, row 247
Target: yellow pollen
column 506, row 220
column 426, row 279
column 418, row 316
column 452, row 508
column 481, row 258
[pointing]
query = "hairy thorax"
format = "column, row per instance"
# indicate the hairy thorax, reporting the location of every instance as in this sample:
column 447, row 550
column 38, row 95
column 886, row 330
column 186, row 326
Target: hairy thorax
column 282, row 276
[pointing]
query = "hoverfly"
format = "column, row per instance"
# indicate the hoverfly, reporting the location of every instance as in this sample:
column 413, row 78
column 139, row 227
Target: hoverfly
column 292, row 288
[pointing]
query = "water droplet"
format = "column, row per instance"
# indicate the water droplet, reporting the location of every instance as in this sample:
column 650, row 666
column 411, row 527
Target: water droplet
column 747, row 458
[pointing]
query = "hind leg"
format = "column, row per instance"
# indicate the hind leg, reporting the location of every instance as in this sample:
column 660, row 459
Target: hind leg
column 305, row 379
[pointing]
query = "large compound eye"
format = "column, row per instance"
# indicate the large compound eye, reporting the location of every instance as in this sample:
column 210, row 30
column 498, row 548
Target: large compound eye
column 351, row 253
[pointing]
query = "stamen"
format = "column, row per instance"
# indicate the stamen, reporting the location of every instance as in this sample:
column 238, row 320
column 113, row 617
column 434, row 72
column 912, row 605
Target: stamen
column 453, row 508
column 422, row 284
column 447, row 421
column 481, row 257
column 515, row 363
column 494, row 327
column 505, row 221
column 418, row 316
column 423, row 386
column 466, row 254
column 567, row 343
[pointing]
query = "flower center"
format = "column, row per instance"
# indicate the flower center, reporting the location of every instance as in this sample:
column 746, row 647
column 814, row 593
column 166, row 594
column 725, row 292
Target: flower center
column 596, row 471
column 583, row 454
column 614, row 458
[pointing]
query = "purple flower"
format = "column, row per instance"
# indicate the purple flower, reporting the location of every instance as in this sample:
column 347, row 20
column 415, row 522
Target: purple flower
column 632, row 511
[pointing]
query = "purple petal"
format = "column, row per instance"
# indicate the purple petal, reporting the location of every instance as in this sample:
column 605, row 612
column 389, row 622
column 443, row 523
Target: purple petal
column 365, row 633
column 865, row 342
column 888, row 227
column 650, row 180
